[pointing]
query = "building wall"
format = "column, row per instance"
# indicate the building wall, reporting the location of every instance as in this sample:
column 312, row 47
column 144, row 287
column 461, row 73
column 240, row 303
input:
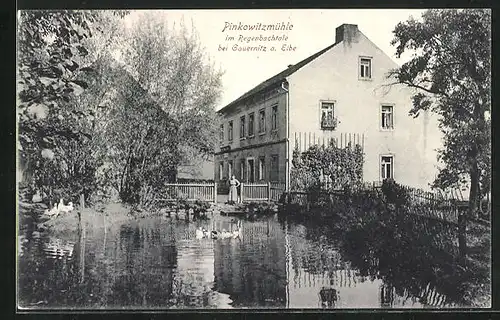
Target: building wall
column 266, row 152
column 334, row 76
column 197, row 168
column 266, row 144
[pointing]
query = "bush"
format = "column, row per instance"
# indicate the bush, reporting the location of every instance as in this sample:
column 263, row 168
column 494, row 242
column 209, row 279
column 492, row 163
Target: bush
column 394, row 193
column 327, row 168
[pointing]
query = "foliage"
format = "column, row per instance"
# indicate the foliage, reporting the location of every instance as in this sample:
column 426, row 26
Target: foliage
column 171, row 66
column 327, row 168
column 451, row 70
column 53, row 128
column 260, row 208
column 395, row 194
column 91, row 124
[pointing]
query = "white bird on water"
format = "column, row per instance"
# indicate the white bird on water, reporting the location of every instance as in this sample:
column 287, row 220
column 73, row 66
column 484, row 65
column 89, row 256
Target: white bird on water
column 224, row 234
column 199, row 233
column 237, row 232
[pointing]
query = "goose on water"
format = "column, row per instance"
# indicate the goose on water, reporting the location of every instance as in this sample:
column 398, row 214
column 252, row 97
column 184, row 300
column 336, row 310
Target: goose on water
column 237, row 233
column 224, row 234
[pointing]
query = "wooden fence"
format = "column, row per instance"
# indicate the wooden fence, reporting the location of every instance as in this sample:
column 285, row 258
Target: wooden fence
column 270, row 191
column 439, row 205
column 190, row 192
column 304, row 140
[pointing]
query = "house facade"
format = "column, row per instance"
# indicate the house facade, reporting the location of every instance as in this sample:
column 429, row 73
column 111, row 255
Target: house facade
column 341, row 89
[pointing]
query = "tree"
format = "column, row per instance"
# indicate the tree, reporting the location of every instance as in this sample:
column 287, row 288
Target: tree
column 172, row 67
column 450, row 70
column 53, row 49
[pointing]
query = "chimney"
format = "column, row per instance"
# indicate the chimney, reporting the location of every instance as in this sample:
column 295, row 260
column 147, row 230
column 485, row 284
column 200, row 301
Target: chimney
column 347, row 32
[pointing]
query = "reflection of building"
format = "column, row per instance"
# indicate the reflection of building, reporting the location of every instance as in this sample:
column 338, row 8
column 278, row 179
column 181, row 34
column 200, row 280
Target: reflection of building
column 315, row 266
column 252, row 270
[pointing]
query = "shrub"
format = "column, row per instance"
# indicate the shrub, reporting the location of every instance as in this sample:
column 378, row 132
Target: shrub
column 327, row 167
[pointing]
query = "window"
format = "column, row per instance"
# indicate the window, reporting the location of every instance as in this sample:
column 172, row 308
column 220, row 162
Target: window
column 262, row 168
column 242, row 127
column 274, row 118
column 221, row 133
column 221, row 170
column 387, row 117
column 230, row 131
column 230, row 168
column 328, row 121
column 274, row 173
column 365, row 65
column 262, row 121
column 251, row 170
column 251, row 120
column 387, row 164
column 242, row 169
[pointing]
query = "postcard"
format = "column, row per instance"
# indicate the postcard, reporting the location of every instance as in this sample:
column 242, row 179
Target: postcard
column 253, row 159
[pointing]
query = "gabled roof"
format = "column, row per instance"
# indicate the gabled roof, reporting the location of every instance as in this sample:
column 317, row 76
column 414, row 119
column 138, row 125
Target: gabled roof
column 277, row 78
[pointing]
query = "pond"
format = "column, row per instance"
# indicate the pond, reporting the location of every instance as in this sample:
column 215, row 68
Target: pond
column 157, row 264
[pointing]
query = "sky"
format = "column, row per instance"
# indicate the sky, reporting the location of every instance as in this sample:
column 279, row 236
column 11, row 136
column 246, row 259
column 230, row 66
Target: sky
column 312, row 30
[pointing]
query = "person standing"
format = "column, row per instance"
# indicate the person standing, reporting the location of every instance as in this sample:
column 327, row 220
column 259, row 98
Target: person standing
column 233, row 190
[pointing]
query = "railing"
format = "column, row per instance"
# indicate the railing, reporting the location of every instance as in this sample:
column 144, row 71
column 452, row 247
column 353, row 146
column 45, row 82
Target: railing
column 261, row 191
column 277, row 190
column 190, row 192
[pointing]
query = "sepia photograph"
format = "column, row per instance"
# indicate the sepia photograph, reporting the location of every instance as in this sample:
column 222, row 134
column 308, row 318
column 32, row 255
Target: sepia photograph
column 272, row 159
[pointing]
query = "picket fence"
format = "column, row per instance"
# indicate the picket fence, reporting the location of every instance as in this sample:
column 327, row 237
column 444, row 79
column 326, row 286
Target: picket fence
column 270, row 191
column 190, row 192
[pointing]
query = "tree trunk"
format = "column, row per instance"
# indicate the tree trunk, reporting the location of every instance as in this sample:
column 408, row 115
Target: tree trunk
column 124, row 172
column 473, row 192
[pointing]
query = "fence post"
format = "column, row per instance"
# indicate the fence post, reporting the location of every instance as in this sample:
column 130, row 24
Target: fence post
column 462, row 242
column 241, row 192
column 215, row 192
column 268, row 192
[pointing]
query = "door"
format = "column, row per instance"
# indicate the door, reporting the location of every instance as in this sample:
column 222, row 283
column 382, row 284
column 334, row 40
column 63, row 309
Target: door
column 251, row 171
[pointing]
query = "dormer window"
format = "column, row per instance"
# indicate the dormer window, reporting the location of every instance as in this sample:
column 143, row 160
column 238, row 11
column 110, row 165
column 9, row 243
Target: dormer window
column 365, row 68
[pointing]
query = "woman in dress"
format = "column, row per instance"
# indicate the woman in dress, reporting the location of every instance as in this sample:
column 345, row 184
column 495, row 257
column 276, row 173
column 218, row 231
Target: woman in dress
column 233, row 190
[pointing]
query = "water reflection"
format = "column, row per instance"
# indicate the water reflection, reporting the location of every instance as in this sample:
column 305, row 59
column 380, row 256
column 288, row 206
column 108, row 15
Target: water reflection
column 252, row 270
column 153, row 263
